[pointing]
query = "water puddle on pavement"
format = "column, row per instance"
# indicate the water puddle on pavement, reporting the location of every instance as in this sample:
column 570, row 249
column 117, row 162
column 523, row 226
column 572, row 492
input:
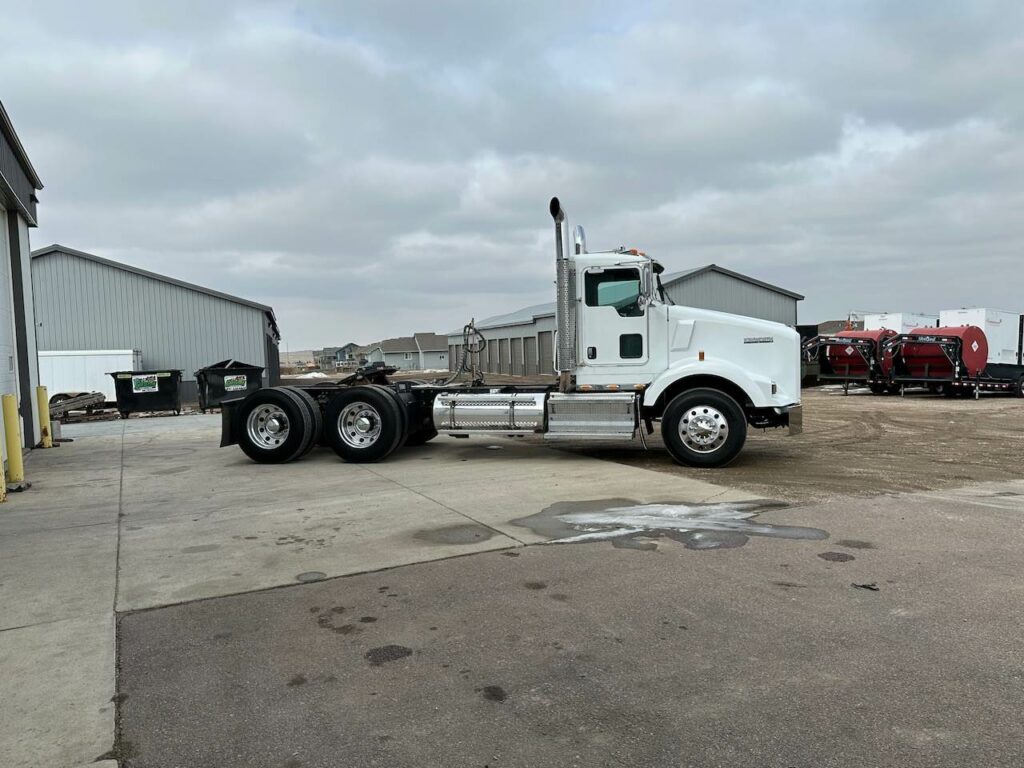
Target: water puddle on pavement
column 629, row 524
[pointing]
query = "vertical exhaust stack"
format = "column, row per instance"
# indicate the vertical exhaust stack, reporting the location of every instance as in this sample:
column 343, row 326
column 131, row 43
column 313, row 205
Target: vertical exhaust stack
column 565, row 300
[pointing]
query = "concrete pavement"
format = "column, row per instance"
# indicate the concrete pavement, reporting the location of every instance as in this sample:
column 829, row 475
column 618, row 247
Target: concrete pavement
column 583, row 654
column 150, row 512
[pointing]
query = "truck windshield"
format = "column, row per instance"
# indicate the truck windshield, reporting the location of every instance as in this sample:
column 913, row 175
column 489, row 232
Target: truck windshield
column 619, row 288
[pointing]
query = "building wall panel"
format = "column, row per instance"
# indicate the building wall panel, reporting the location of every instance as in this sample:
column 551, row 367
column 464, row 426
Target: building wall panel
column 82, row 304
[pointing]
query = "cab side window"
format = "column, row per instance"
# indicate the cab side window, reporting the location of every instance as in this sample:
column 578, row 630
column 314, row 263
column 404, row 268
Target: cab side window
column 619, row 288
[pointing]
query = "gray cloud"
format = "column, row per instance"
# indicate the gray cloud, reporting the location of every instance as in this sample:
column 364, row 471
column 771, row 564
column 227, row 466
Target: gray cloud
column 371, row 169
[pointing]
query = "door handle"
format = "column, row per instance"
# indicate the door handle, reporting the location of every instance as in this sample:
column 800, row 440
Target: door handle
column 591, row 353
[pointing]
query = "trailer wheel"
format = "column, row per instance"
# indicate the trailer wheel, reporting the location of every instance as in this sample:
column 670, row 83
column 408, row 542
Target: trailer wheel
column 704, row 428
column 274, row 426
column 316, row 418
column 363, row 424
column 1018, row 388
column 877, row 387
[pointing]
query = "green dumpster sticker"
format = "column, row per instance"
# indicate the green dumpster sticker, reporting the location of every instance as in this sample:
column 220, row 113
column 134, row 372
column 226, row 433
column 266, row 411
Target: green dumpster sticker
column 145, row 383
column 235, row 383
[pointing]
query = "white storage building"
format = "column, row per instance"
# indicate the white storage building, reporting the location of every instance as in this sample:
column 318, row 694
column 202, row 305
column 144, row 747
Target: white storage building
column 901, row 322
column 1004, row 330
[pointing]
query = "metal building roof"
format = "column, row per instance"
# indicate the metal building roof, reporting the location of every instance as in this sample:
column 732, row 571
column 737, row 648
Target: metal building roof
column 56, row 248
column 527, row 315
column 7, row 129
column 688, row 273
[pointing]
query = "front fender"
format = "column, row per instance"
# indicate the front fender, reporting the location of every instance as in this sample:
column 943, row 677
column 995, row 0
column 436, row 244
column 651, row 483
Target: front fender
column 757, row 388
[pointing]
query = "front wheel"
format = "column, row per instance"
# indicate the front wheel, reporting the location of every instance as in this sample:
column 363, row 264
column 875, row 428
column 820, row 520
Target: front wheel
column 704, row 428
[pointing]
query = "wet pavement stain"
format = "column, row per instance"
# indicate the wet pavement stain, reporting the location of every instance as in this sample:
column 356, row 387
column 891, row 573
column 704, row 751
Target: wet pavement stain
column 494, row 693
column 311, row 576
column 855, row 544
column 201, row 548
column 296, row 681
column 629, row 524
column 836, row 557
column 455, row 534
column 386, row 653
column 535, row 585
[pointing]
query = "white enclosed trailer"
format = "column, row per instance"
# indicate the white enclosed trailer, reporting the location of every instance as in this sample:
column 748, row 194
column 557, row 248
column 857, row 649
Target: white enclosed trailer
column 901, row 322
column 1002, row 330
column 86, row 370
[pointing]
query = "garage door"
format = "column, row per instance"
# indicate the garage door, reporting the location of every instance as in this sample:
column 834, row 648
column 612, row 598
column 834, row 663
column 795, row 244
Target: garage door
column 517, row 357
column 547, row 352
column 530, row 352
column 503, row 351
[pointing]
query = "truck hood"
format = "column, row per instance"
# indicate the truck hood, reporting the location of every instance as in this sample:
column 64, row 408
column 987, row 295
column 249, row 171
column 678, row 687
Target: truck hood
column 768, row 353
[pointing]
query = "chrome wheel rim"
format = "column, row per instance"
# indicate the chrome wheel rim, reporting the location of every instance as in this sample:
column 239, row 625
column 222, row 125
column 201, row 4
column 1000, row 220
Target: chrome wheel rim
column 268, row 426
column 703, row 429
column 359, row 425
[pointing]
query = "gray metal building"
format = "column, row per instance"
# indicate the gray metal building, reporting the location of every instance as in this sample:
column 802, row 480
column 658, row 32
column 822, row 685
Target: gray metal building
column 86, row 302
column 19, row 365
column 521, row 343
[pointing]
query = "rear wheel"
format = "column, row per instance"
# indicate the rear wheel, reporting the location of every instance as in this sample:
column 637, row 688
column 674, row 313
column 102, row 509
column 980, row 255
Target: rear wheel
column 704, row 428
column 275, row 426
column 877, row 387
column 363, row 424
column 1018, row 387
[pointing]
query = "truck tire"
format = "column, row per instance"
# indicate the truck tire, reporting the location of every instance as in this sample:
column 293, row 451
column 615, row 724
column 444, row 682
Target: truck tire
column 704, row 428
column 274, row 426
column 878, row 387
column 1018, row 387
column 400, row 410
column 316, row 418
column 363, row 424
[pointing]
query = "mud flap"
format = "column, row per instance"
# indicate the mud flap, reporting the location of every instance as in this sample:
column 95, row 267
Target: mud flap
column 228, row 435
column 796, row 419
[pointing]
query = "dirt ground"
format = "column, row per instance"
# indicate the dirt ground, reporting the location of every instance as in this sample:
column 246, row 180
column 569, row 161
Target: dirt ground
column 857, row 444
column 866, row 445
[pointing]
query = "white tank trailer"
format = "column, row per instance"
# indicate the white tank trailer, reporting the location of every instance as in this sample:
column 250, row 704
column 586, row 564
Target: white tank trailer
column 626, row 357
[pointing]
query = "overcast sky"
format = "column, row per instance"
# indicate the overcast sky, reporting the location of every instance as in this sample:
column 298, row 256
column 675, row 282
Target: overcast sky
column 376, row 168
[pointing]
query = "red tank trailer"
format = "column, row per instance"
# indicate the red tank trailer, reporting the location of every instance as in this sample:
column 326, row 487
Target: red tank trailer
column 853, row 357
column 941, row 354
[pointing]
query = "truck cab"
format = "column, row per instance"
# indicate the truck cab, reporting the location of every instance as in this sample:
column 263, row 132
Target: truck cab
column 705, row 375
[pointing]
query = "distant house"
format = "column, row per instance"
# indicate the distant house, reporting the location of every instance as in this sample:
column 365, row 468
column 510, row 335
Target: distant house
column 332, row 358
column 419, row 352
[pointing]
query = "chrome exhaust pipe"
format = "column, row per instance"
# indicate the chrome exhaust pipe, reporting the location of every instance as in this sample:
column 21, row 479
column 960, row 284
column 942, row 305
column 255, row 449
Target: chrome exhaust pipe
column 564, row 299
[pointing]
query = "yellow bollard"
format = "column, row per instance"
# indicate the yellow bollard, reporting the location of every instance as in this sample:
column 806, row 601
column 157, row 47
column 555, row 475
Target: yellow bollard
column 12, row 438
column 43, row 406
column 3, row 488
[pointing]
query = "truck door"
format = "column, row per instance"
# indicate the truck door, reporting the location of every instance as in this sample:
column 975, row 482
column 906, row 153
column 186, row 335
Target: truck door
column 613, row 330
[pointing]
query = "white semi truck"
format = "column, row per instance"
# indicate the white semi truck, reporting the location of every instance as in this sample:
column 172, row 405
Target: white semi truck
column 626, row 357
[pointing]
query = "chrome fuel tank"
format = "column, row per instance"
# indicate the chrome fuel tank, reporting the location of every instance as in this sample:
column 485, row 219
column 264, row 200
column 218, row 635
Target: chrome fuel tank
column 504, row 413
